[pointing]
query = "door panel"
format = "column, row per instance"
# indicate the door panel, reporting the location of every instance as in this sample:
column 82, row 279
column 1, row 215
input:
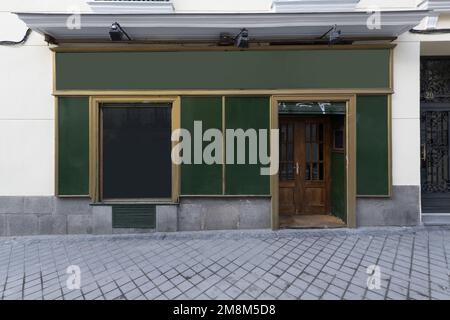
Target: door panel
column 316, row 164
column 304, row 165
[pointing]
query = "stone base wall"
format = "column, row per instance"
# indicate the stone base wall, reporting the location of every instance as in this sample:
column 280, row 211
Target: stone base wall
column 53, row 215
column 224, row 213
column 401, row 209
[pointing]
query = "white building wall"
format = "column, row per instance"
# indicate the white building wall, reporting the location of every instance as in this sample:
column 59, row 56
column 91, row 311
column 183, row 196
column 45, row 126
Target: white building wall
column 26, row 112
column 406, row 114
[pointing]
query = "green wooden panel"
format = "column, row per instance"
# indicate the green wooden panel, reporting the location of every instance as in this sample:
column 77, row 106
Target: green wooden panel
column 246, row 113
column 201, row 179
column 372, row 146
column 134, row 216
column 368, row 68
column 73, row 146
column 338, row 191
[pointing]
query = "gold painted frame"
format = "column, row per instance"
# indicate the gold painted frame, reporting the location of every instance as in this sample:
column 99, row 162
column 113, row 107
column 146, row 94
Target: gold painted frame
column 225, row 92
column 94, row 143
column 178, row 47
column 126, row 47
column 350, row 139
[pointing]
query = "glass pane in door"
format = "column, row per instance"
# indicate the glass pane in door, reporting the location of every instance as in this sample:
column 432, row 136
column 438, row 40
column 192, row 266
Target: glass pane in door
column 287, row 151
column 314, row 145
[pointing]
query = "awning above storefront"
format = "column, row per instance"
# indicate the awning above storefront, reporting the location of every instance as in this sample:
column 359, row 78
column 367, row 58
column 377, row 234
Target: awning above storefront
column 207, row 27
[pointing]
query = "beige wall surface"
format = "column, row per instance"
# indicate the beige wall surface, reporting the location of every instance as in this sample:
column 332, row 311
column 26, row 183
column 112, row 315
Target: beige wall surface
column 26, row 113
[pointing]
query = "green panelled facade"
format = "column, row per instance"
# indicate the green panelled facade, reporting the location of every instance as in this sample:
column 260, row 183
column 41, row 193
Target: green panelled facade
column 201, row 179
column 338, row 193
column 372, row 146
column 304, row 69
column 235, row 113
column 73, row 146
column 307, row 69
column 246, row 113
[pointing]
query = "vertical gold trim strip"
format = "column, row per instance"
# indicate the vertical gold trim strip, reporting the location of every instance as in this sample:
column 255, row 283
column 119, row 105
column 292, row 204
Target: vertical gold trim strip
column 389, row 111
column 54, row 71
column 391, row 69
column 93, row 148
column 56, row 148
column 223, row 147
column 351, row 161
column 176, row 124
column 91, row 126
column 274, row 190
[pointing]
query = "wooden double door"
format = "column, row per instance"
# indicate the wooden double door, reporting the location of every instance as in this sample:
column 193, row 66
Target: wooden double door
column 304, row 177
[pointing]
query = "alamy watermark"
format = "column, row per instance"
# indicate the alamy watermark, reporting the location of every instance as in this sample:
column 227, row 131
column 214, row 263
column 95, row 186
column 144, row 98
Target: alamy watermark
column 73, row 22
column 250, row 146
column 373, row 22
column 73, row 281
column 374, row 278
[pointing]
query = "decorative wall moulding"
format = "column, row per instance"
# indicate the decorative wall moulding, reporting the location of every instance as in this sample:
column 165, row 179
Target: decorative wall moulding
column 437, row 5
column 134, row 6
column 314, row 5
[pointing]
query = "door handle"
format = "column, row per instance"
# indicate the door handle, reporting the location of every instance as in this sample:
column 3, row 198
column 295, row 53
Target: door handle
column 297, row 168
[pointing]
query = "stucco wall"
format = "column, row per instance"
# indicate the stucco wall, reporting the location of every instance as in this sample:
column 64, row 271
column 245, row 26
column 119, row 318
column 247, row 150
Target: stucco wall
column 26, row 113
column 405, row 114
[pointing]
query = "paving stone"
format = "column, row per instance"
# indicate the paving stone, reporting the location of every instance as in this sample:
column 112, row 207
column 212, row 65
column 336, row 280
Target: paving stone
column 330, row 296
column 290, row 264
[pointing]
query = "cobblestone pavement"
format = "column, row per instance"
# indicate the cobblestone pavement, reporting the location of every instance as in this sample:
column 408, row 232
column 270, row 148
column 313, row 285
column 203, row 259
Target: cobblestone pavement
column 287, row 264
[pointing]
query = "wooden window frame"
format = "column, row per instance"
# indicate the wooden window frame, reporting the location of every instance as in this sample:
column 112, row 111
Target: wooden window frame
column 95, row 178
column 334, row 148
